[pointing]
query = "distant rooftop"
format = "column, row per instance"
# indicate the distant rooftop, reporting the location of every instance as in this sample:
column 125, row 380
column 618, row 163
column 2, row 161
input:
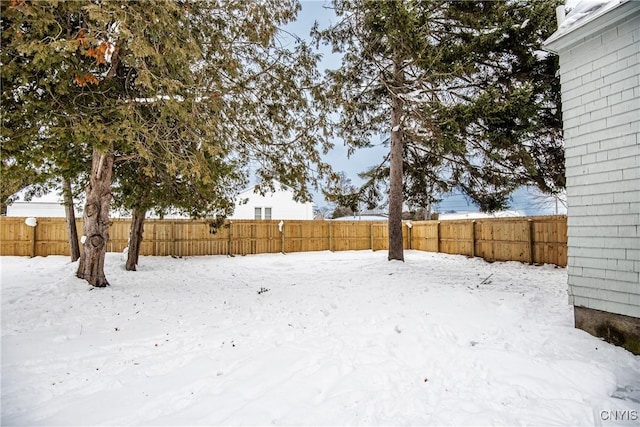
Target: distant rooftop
column 477, row 215
column 361, row 218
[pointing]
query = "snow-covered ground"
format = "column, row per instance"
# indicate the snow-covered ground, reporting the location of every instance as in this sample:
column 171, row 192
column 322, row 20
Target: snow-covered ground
column 312, row 338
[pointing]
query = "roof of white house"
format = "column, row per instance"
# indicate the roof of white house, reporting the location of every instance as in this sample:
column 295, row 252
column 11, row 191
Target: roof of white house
column 478, row 215
column 277, row 186
column 585, row 12
column 46, row 205
column 361, row 218
column 52, row 197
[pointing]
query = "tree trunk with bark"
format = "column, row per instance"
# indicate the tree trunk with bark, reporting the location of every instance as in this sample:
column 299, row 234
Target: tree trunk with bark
column 96, row 219
column 135, row 238
column 70, row 216
column 396, row 250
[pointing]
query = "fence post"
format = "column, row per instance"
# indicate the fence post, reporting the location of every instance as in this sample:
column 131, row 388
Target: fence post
column 281, row 228
column 530, row 239
column 331, row 236
column 229, row 252
column 173, row 239
column 473, row 239
column 438, row 237
column 154, row 249
column 33, row 240
column 371, row 235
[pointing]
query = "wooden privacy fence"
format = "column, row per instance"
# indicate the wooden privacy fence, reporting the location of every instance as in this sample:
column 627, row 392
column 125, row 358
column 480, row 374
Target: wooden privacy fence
column 540, row 240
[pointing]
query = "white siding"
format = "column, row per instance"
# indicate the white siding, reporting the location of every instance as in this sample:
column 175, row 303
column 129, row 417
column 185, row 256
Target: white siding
column 281, row 202
column 601, row 111
column 48, row 205
column 35, row 209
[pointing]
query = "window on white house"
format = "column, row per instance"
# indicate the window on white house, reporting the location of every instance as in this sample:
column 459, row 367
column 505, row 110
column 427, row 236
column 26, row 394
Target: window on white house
column 257, row 213
column 267, row 213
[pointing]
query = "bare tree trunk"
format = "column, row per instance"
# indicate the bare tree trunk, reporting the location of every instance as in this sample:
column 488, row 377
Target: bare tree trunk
column 70, row 216
column 135, row 238
column 396, row 251
column 96, row 219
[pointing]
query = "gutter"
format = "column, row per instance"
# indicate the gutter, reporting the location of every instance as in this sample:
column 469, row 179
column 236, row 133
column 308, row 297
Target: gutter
column 607, row 16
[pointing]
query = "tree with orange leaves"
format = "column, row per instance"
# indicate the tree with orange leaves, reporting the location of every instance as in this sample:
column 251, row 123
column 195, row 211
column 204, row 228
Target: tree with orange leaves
column 170, row 91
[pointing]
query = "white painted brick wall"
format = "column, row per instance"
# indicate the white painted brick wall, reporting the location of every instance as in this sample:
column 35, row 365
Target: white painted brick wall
column 601, row 111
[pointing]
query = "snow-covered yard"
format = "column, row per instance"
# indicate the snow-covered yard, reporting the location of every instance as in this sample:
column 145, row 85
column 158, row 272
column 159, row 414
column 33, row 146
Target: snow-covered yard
column 312, row 338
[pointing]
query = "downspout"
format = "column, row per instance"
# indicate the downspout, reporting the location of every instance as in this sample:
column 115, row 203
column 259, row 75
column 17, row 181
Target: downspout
column 560, row 15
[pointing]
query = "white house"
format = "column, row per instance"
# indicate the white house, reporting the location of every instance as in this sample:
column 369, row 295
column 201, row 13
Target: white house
column 279, row 204
column 47, row 205
column 598, row 44
column 249, row 205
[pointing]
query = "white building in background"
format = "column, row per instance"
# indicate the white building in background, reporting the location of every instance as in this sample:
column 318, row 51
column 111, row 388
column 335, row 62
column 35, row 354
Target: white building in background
column 279, row 204
column 49, row 205
column 249, row 205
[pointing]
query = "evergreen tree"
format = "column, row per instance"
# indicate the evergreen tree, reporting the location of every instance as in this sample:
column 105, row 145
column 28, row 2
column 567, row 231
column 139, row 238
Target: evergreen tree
column 141, row 188
column 382, row 44
column 345, row 195
column 194, row 81
column 507, row 108
column 460, row 88
column 423, row 184
column 36, row 152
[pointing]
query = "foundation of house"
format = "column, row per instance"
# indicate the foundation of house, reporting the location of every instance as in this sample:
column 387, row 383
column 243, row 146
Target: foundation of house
column 617, row 329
